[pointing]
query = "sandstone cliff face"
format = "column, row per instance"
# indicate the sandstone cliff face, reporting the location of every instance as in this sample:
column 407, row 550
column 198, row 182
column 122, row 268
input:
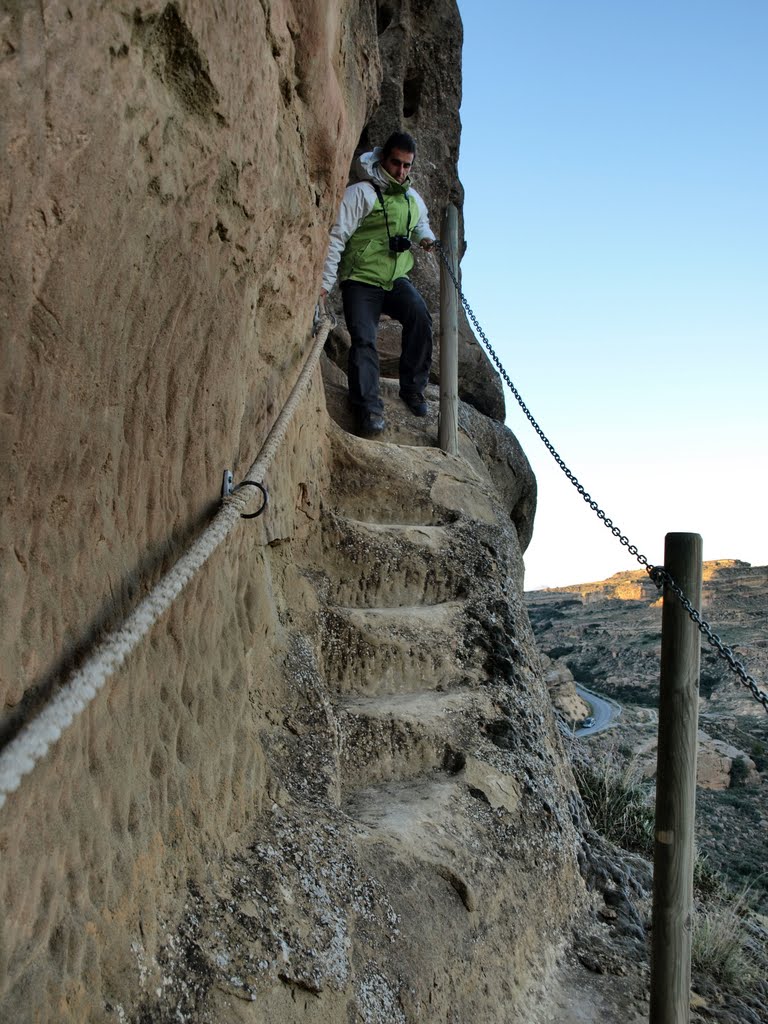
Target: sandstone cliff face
column 168, row 180
column 328, row 783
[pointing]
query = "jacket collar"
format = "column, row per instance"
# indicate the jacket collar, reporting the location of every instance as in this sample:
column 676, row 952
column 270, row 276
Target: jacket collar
column 389, row 183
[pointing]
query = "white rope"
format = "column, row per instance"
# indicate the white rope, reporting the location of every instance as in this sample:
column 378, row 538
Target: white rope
column 34, row 741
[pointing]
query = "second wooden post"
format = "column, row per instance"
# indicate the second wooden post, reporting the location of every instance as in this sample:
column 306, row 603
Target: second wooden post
column 676, row 786
column 448, row 430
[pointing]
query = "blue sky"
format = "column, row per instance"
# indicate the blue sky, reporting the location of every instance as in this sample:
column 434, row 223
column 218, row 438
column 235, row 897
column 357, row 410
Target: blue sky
column 615, row 160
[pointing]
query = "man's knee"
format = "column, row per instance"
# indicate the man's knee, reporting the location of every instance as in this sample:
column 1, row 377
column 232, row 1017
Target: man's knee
column 425, row 314
column 419, row 315
column 362, row 336
column 410, row 305
column 361, row 313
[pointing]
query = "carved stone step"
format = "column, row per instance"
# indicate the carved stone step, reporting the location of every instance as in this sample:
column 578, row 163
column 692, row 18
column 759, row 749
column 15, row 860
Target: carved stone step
column 374, row 483
column 379, row 650
column 398, row 736
column 418, row 821
column 431, row 821
column 388, row 565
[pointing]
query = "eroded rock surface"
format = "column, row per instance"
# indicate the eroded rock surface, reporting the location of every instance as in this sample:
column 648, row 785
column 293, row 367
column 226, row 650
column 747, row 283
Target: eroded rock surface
column 330, row 776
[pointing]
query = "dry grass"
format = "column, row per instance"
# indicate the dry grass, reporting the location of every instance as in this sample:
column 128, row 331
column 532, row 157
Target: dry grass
column 617, row 803
column 723, row 945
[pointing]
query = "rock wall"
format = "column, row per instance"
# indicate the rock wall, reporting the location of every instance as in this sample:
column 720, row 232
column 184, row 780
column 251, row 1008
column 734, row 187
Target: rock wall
column 170, row 174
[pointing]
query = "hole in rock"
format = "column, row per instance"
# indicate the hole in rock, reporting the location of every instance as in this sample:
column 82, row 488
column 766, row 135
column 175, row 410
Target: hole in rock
column 412, row 87
column 385, row 12
column 454, row 761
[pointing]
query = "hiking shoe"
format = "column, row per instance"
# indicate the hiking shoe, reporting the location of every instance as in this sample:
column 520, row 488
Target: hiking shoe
column 371, row 423
column 415, row 403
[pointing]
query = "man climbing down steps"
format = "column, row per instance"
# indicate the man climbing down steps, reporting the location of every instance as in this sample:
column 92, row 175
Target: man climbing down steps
column 370, row 252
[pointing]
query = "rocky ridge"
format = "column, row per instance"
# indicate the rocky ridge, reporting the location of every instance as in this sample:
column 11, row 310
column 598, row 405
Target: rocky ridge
column 607, row 635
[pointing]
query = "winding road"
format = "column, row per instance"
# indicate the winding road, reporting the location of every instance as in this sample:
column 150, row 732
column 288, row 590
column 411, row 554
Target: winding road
column 604, row 712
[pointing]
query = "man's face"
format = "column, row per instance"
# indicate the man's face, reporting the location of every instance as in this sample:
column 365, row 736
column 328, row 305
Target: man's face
column 398, row 164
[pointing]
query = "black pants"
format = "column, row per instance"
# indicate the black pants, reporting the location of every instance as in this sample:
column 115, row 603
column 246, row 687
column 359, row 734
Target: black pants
column 363, row 305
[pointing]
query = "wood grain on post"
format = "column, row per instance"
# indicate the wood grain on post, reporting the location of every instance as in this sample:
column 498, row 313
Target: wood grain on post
column 676, row 786
column 448, row 430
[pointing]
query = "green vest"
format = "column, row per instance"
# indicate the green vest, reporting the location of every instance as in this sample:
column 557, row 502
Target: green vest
column 366, row 256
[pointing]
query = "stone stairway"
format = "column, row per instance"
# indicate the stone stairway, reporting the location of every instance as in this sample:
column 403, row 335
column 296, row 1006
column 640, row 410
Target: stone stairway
column 412, row 862
column 403, row 673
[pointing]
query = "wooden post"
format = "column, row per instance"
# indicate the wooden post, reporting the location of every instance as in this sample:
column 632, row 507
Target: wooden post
column 448, row 430
column 676, row 786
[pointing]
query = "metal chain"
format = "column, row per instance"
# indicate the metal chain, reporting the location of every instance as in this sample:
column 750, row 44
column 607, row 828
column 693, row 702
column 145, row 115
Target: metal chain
column 657, row 573
column 722, row 649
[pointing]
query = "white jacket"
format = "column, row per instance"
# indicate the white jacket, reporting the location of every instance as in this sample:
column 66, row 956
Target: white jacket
column 359, row 199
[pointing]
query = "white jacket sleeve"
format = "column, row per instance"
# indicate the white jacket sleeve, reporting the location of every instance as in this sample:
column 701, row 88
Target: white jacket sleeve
column 359, row 199
column 422, row 229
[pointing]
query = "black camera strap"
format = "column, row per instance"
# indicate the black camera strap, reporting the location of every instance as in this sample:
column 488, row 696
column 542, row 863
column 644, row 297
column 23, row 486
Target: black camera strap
column 377, row 190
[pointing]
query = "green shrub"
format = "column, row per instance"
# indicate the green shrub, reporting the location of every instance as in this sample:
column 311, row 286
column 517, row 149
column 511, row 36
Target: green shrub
column 707, row 881
column 739, row 772
column 758, row 755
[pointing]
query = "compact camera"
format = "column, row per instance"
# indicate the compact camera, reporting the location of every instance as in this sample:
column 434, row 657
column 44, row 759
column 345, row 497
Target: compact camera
column 399, row 243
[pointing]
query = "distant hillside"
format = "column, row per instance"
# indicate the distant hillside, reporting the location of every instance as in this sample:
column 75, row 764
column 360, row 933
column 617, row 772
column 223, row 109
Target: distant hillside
column 606, row 635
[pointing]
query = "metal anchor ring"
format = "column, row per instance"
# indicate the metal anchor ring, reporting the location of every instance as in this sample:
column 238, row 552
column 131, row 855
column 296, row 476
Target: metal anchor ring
column 265, row 493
